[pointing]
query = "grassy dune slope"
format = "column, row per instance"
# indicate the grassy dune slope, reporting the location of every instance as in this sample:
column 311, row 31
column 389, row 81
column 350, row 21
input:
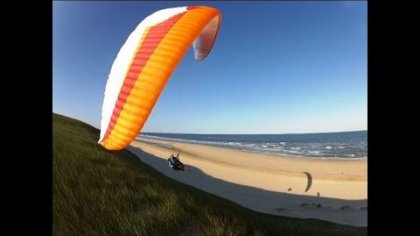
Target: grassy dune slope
column 97, row 192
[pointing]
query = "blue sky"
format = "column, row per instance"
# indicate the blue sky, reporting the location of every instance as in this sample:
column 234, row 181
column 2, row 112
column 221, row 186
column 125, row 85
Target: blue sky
column 276, row 67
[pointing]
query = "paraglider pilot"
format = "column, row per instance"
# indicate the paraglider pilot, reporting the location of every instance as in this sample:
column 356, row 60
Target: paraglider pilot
column 175, row 163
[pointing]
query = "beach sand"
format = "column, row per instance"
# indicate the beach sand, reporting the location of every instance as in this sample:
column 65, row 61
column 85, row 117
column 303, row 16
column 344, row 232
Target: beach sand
column 300, row 187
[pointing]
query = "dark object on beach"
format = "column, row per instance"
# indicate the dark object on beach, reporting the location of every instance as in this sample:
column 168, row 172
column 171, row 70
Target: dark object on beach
column 289, row 189
column 318, row 194
column 175, row 163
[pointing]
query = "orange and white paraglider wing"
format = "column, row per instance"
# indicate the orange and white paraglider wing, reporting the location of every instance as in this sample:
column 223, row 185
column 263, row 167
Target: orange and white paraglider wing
column 145, row 63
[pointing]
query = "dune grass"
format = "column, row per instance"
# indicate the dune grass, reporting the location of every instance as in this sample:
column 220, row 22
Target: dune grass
column 98, row 192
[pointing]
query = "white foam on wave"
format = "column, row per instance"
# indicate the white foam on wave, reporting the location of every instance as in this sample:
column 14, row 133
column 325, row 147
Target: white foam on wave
column 314, row 152
column 234, row 143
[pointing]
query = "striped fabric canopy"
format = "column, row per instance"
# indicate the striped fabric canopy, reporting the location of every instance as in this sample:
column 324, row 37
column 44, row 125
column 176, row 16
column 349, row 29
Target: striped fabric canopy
column 145, row 63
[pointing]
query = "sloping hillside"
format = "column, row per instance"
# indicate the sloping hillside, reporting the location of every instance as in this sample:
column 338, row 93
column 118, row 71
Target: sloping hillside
column 97, row 192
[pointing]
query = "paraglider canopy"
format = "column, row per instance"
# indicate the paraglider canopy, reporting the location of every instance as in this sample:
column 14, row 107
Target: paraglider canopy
column 145, row 63
column 204, row 42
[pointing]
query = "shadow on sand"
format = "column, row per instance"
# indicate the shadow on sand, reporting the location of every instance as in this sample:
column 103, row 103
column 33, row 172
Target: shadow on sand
column 347, row 212
column 309, row 176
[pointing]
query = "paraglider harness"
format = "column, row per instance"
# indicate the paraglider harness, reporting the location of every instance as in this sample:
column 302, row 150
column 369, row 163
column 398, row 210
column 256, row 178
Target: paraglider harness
column 175, row 163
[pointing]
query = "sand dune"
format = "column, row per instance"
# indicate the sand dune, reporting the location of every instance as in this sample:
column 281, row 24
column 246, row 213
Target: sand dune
column 332, row 190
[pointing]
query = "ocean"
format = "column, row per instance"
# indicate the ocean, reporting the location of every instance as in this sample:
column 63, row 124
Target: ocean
column 329, row 145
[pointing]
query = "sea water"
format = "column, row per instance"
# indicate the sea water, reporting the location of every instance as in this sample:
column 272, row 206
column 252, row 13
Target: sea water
column 338, row 144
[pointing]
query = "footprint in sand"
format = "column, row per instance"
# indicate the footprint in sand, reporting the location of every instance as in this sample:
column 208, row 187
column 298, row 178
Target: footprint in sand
column 345, row 208
column 313, row 204
column 317, row 205
column 283, row 209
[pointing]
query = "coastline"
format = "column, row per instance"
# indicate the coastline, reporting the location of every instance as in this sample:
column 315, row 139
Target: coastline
column 328, row 189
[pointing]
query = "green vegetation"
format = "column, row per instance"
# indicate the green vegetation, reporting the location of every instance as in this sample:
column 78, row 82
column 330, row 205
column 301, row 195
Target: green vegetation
column 97, row 192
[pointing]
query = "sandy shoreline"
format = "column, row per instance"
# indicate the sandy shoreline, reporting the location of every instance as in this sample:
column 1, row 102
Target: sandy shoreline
column 332, row 190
